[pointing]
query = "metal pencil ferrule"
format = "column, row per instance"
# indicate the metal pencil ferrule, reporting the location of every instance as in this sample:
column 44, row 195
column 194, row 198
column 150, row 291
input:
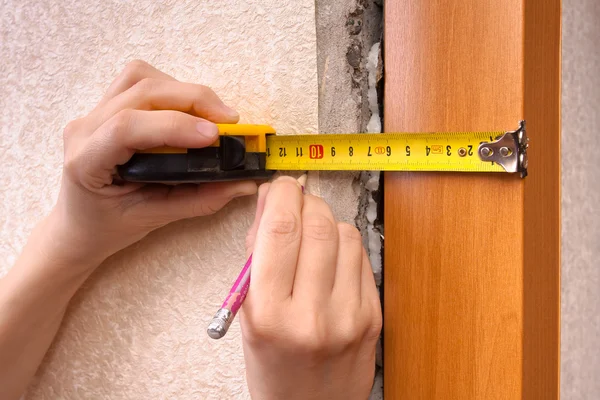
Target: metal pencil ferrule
column 220, row 323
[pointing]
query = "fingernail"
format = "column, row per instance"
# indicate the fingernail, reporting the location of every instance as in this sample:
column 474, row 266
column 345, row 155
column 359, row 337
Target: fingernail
column 231, row 113
column 208, row 129
column 290, row 179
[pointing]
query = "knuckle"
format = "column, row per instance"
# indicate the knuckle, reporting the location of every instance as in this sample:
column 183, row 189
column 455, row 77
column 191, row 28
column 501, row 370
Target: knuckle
column 174, row 122
column 375, row 325
column 318, row 227
column 373, row 319
column 71, row 129
column 145, row 86
column 258, row 328
column 135, row 69
column 256, row 334
column 206, row 208
column 349, row 333
column 310, row 342
column 311, row 335
column 120, row 123
column 77, row 166
column 281, row 225
column 71, row 168
column 204, row 91
column 348, row 233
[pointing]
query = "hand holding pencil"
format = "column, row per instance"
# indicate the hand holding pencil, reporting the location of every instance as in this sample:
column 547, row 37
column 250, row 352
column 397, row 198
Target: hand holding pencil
column 312, row 315
column 233, row 302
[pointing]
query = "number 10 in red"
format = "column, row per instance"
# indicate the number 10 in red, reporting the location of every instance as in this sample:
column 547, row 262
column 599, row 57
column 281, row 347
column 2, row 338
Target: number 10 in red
column 315, row 151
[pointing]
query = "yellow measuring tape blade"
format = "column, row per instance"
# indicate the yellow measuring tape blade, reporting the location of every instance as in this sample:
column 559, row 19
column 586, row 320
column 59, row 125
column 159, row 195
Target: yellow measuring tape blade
column 381, row 152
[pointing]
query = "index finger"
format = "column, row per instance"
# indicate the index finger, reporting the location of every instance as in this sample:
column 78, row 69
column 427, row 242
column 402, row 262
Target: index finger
column 159, row 94
column 133, row 72
column 277, row 241
column 260, row 207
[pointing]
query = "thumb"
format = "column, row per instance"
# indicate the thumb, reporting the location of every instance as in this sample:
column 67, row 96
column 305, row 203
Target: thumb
column 260, row 207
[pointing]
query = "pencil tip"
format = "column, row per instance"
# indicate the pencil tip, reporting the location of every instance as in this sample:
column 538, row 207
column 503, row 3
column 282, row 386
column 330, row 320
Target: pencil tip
column 302, row 180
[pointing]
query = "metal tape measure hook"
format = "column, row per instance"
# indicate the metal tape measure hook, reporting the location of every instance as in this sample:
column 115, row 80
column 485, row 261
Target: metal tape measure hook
column 508, row 150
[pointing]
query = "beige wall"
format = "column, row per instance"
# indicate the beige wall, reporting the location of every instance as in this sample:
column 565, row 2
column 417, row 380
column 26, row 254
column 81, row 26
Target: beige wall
column 137, row 330
column 580, row 347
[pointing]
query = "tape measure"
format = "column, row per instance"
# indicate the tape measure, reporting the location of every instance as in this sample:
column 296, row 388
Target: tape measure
column 256, row 152
column 453, row 151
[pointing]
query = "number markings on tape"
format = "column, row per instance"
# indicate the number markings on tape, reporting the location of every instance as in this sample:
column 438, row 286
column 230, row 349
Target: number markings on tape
column 381, row 152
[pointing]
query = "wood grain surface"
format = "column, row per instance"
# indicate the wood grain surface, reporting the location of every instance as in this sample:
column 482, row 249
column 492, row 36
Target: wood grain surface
column 472, row 260
column 541, row 274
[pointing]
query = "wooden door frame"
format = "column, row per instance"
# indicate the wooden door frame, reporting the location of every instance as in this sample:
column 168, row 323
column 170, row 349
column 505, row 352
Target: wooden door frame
column 472, row 261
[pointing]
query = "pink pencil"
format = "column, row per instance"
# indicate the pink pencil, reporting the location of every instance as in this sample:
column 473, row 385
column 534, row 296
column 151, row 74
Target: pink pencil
column 224, row 317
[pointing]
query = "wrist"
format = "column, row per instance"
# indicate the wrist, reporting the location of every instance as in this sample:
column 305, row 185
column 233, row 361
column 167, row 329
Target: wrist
column 43, row 273
column 55, row 247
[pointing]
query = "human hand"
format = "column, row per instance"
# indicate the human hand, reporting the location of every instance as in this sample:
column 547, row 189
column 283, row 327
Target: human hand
column 312, row 316
column 143, row 108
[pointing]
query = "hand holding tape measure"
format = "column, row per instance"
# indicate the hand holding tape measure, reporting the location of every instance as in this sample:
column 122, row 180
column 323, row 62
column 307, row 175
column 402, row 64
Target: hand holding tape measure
column 256, row 152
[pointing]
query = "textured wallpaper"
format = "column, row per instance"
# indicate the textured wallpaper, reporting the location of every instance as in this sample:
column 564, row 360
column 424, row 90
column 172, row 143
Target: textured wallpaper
column 580, row 294
column 137, row 328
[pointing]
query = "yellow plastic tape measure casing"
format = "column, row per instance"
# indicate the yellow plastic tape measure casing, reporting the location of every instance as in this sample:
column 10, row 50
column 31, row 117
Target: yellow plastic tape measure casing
column 254, row 138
